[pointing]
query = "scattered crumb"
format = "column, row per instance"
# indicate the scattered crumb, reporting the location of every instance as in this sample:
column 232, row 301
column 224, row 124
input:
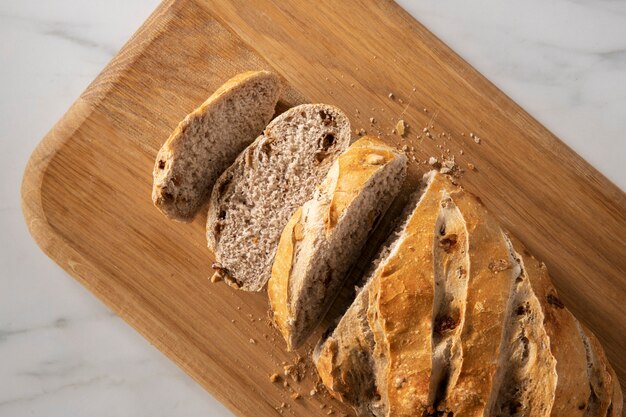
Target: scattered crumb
column 285, row 384
column 232, row 320
column 425, row 110
column 295, row 396
column 330, row 412
column 322, row 406
column 391, row 96
column 372, row 120
column 400, row 127
column 405, row 148
column 393, row 131
column 414, row 89
column 252, row 341
column 471, row 135
column 425, row 130
column 289, row 369
column 352, row 85
column 274, row 377
column 313, row 392
column 471, row 166
column 448, row 166
column 400, row 101
column 216, row 277
column 463, row 134
column 461, row 152
column 432, row 161
column 477, row 139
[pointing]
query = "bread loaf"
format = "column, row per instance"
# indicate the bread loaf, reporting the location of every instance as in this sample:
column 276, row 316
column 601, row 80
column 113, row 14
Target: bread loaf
column 253, row 199
column 457, row 318
column 209, row 139
column 324, row 237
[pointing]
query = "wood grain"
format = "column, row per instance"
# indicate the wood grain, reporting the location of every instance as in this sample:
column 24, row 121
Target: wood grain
column 86, row 190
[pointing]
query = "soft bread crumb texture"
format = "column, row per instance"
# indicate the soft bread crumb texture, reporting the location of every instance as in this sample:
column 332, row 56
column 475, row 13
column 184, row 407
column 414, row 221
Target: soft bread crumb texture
column 209, row 139
column 253, row 200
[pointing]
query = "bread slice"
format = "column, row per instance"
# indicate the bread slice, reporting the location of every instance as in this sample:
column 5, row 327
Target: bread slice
column 253, row 199
column 209, row 139
column 565, row 342
column 324, row 237
column 461, row 320
column 352, row 359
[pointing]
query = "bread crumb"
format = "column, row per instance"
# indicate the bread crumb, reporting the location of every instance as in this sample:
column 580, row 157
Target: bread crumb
column 405, row 148
column 312, row 392
column 414, row 89
column 461, row 152
column 252, row 341
column 352, row 85
column 274, row 377
column 400, row 127
column 400, row 101
column 425, row 130
column 322, row 406
column 295, row 396
column 425, row 110
column 432, row 161
column 477, row 139
column 391, row 96
column 471, row 134
column 372, row 120
column 393, row 131
column 471, row 166
column 216, row 277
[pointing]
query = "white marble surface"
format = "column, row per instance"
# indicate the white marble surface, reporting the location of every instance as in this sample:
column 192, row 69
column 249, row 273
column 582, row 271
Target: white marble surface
column 62, row 352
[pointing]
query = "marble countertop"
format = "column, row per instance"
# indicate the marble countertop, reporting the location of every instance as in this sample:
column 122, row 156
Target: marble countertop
column 62, row 351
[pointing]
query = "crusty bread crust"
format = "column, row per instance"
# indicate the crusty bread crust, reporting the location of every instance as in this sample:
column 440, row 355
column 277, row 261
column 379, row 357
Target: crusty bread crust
column 561, row 368
column 170, row 174
column 401, row 291
column 566, row 345
column 351, row 175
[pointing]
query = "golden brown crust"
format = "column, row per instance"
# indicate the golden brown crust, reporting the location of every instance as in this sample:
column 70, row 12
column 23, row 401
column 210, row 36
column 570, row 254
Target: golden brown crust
column 400, row 310
column 356, row 167
column 601, row 379
column 569, row 377
column 489, row 286
column 572, row 390
column 278, row 285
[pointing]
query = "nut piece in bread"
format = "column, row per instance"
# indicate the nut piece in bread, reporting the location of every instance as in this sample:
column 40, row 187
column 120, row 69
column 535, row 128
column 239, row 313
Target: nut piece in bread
column 209, row 139
column 323, row 238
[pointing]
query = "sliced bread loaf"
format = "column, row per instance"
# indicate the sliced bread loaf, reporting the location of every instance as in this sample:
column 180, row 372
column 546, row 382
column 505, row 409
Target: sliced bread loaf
column 209, row 139
column 253, row 199
column 461, row 320
column 324, row 237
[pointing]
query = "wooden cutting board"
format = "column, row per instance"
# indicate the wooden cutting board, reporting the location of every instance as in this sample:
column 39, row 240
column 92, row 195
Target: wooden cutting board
column 86, row 190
